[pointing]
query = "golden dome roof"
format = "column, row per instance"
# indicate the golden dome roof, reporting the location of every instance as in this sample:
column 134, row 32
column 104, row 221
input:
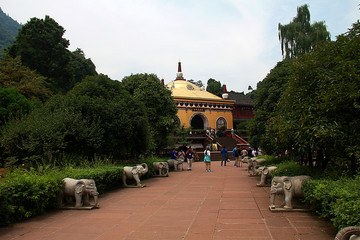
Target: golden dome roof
column 188, row 90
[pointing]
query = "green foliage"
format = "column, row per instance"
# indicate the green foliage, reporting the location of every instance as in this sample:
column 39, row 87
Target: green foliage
column 12, row 104
column 29, row 83
column 24, row 194
column 299, row 36
column 272, row 160
column 291, row 169
column 41, row 47
column 45, row 133
column 337, row 200
column 160, row 107
column 81, row 66
column 122, row 118
column 318, row 111
column 266, row 98
column 214, row 87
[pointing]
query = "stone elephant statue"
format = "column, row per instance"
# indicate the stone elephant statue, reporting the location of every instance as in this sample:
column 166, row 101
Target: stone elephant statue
column 265, row 176
column 134, row 173
column 289, row 187
column 245, row 159
column 161, row 169
column 80, row 190
column 253, row 165
column 175, row 163
column 348, row 233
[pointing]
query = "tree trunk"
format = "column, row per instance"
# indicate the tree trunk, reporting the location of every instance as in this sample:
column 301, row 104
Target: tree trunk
column 326, row 160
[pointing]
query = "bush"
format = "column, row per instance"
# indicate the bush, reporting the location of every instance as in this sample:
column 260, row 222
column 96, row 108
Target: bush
column 24, row 194
column 46, row 134
column 27, row 193
column 291, row 169
column 337, row 200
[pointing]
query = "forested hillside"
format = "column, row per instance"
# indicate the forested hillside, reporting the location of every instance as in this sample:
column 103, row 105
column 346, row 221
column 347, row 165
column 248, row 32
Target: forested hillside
column 8, row 30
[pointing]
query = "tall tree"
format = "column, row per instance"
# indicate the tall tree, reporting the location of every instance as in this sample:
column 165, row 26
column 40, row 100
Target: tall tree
column 29, row 83
column 41, row 46
column 81, row 66
column 319, row 110
column 299, row 36
column 266, row 98
column 160, row 107
column 214, row 87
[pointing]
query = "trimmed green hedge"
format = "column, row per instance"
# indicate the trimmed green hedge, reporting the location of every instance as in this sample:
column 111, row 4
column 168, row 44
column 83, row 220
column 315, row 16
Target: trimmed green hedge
column 24, row 194
column 291, row 169
column 337, row 200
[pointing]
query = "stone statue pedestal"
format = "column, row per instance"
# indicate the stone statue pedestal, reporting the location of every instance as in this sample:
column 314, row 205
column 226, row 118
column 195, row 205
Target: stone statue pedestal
column 134, row 186
column 281, row 209
column 78, row 208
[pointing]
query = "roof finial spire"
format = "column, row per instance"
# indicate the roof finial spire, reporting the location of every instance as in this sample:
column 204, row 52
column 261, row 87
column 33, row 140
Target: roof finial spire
column 179, row 66
column 179, row 75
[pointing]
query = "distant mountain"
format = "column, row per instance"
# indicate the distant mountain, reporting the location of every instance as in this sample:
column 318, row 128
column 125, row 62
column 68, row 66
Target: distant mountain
column 8, row 30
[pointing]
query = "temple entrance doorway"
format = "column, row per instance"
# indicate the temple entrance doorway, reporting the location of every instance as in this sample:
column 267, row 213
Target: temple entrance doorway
column 198, row 121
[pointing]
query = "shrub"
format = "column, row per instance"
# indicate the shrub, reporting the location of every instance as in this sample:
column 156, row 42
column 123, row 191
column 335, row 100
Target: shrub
column 337, row 200
column 25, row 194
column 292, row 169
column 44, row 133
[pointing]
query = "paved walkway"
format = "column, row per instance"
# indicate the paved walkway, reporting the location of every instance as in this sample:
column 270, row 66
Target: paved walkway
column 223, row 204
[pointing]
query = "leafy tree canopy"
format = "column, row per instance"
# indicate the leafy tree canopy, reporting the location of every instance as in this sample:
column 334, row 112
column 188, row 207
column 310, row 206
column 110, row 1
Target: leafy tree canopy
column 12, row 104
column 81, row 66
column 29, row 83
column 266, row 98
column 299, row 36
column 160, row 107
column 122, row 118
column 319, row 109
column 41, row 47
column 214, row 87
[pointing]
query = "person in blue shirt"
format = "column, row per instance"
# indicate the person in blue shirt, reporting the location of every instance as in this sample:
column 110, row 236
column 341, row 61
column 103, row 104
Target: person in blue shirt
column 224, row 154
column 173, row 154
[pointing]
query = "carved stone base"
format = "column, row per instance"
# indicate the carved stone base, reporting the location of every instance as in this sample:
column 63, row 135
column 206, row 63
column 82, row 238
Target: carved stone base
column 79, row 208
column 130, row 186
column 281, row 209
column 266, row 185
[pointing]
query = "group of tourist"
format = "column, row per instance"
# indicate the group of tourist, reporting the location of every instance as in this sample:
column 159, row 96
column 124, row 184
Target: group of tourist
column 237, row 152
column 185, row 154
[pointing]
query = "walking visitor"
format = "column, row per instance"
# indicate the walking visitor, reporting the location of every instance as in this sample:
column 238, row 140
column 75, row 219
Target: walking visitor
column 207, row 159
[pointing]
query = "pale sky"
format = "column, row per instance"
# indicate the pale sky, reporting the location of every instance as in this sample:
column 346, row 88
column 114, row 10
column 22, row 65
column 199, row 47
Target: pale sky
column 233, row 41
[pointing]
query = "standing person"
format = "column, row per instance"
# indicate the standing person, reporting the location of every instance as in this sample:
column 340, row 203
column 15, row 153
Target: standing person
column 173, row 154
column 253, row 152
column 207, row 159
column 189, row 157
column 181, row 156
column 233, row 153
column 237, row 156
column 224, row 154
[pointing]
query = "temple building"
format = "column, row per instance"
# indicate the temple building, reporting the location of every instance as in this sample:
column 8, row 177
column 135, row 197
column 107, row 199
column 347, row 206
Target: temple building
column 199, row 109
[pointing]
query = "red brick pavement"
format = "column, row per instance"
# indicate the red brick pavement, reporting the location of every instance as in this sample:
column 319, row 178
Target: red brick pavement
column 223, row 204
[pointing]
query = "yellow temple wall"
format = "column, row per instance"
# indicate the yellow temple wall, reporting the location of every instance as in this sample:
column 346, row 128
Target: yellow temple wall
column 212, row 116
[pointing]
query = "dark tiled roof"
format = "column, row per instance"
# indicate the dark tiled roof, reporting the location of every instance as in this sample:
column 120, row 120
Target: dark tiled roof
column 240, row 98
